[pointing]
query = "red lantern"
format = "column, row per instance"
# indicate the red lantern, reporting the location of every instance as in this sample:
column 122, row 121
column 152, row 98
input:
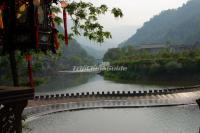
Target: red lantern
column 64, row 5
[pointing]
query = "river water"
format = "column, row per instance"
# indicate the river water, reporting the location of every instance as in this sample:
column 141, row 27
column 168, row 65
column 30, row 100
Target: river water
column 72, row 83
column 180, row 119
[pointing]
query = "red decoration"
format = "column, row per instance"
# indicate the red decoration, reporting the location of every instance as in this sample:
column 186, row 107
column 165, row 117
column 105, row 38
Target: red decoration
column 2, row 7
column 30, row 73
column 65, row 26
column 28, row 58
column 1, row 19
column 55, row 34
column 64, row 4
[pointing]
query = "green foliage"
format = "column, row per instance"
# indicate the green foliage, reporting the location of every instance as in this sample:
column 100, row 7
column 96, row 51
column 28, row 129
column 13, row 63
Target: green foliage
column 172, row 65
column 58, row 20
column 117, row 12
column 61, row 36
column 74, row 55
column 45, row 65
column 113, row 54
column 55, row 9
column 164, row 65
column 85, row 20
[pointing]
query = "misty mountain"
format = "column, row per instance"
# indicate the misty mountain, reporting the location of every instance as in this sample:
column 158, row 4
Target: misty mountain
column 75, row 47
column 174, row 26
column 74, row 55
column 119, row 34
column 97, row 50
column 97, row 54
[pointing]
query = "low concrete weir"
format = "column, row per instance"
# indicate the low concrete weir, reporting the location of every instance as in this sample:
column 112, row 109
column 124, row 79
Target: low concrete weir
column 42, row 105
column 113, row 93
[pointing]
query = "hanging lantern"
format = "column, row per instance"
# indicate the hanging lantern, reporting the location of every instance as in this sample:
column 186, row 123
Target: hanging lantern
column 23, row 15
column 64, row 5
column 33, row 29
column 43, row 27
column 25, row 25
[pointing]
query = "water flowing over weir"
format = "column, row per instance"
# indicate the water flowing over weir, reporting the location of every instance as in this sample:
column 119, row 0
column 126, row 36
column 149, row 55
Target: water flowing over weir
column 56, row 103
column 173, row 109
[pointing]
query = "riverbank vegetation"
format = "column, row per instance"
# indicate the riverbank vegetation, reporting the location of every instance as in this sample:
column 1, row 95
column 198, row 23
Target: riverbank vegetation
column 163, row 66
column 45, row 65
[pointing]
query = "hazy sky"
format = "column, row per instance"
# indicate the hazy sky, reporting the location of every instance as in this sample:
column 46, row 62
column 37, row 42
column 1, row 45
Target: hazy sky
column 136, row 12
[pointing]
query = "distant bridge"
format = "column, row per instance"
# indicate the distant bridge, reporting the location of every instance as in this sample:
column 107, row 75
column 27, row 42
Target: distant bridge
column 42, row 105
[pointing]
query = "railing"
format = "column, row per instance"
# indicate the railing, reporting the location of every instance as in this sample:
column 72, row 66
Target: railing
column 13, row 100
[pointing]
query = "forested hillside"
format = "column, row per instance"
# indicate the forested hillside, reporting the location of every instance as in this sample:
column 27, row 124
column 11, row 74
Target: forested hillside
column 74, row 55
column 175, row 26
column 162, row 67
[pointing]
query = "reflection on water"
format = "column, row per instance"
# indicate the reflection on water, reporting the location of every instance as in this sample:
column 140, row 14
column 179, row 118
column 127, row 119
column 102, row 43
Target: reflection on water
column 63, row 81
column 72, row 83
column 182, row 119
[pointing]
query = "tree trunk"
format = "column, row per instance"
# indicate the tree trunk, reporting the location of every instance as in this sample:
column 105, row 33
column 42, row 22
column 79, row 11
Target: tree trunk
column 10, row 42
column 14, row 70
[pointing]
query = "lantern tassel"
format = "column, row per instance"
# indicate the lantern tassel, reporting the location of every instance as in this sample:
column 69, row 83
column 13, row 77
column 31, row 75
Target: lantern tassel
column 55, row 35
column 2, row 7
column 30, row 73
column 65, row 26
column 1, row 20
